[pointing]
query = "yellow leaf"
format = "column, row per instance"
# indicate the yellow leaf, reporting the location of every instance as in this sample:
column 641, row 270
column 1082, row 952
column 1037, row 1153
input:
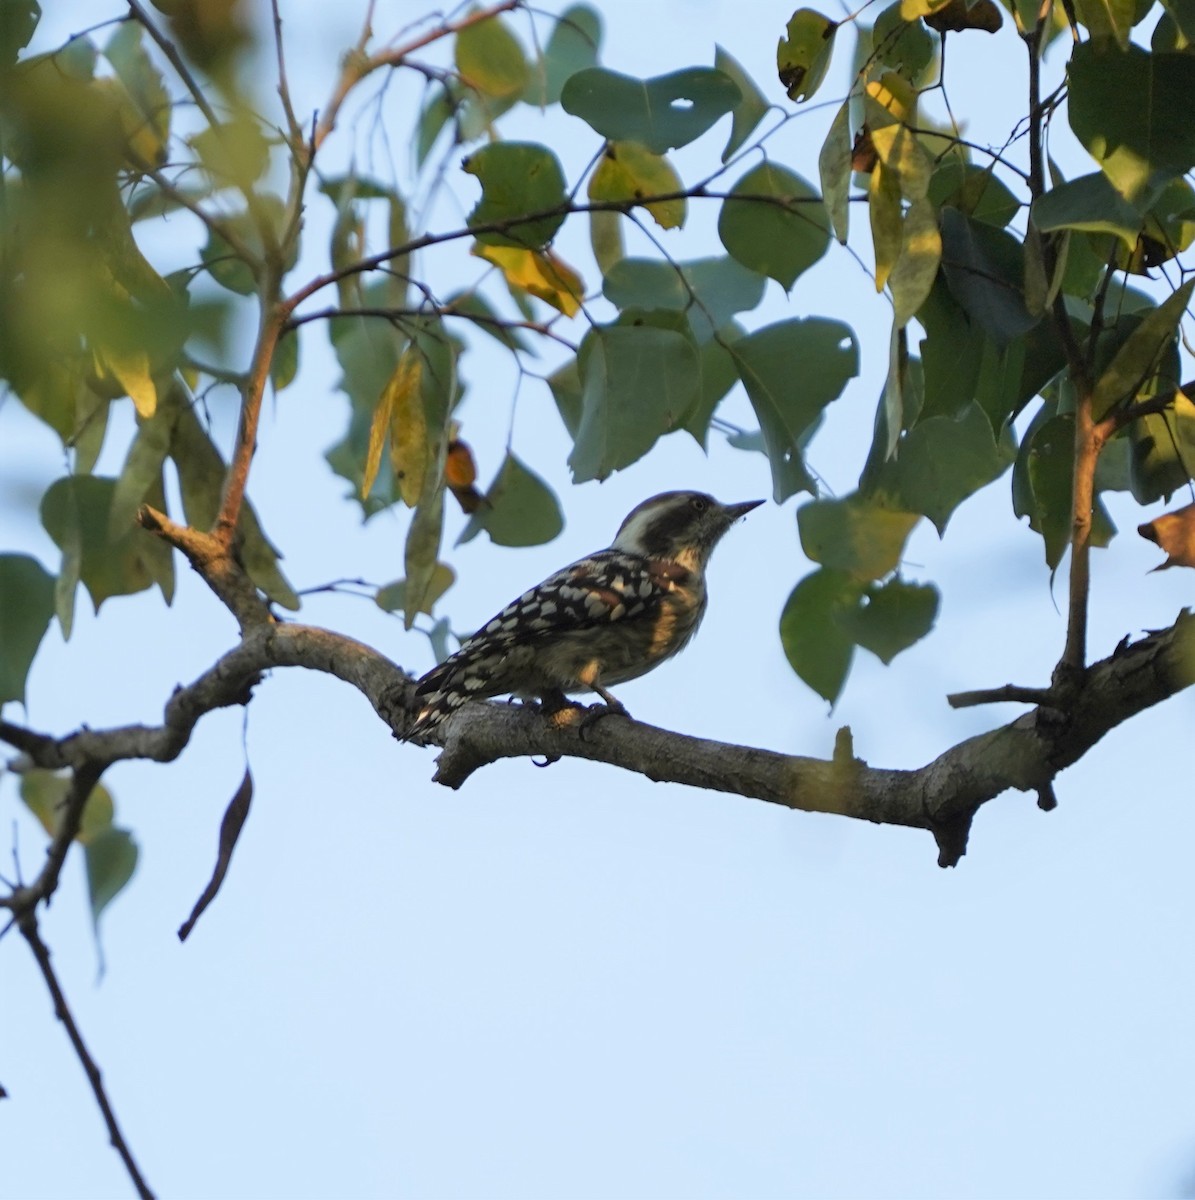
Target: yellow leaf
column 630, row 172
column 886, row 232
column 408, row 427
column 890, row 98
column 379, row 427
column 131, row 370
column 539, row 272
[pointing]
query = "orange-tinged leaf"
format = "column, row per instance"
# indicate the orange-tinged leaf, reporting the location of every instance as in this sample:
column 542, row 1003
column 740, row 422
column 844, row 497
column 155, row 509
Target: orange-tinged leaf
column 539, row 272
column 1175, row 533
column 460, row 474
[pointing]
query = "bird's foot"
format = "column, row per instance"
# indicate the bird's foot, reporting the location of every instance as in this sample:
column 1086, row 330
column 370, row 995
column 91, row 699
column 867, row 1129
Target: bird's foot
column 597, row 712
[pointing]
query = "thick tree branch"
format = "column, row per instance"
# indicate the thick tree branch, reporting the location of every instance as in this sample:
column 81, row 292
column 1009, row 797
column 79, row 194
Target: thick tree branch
column 942, row 796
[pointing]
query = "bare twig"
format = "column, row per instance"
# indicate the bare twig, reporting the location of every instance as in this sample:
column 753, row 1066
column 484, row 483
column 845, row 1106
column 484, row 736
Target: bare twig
column 27, row 923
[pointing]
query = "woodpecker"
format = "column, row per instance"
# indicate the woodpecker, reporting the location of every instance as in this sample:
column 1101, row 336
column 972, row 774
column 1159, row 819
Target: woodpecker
column 607, row 618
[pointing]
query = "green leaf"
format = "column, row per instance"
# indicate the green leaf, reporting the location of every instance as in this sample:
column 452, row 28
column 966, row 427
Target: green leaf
column 26, row 606
column 18, row 20
column 1108, row 18
column 516, row 178
column 566, row 388
column 891, row 617
column 201, row 479
column 974, row 191
column 438, row 110
column 393, row 597
column 834, row 169
column 573, row 46
column 710, row 290
column 519, row 509
column 803, row 56
column 774, row 223
column 857, row 537
column 1129, row 109
column 749, row 111
column 490, row 58
column 1176, row 29
column 941, row 461
column 628, row 172
column 75, row 513
column 235, row 153
column 638, row 383
column 149, row 102
column 812, row 633
column 662, row 113
column 45, row 794
column 902, row 42
column 1163, row 452
column 718, row 375
column 111, row 858
column 1043, row 482
column 285, row 364
column 605, row 239
column 984, row 271
column 791, row 371
column 1139, row 355
column 424, row 579
column 1089, row 203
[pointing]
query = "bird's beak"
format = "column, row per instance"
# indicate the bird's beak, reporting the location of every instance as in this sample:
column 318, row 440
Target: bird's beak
column 735, row 511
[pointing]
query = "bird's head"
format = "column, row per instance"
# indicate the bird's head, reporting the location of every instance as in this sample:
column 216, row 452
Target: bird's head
column 682, row 527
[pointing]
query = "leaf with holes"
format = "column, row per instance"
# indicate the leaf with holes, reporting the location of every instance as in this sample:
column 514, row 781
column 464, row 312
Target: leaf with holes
column 803, row 54
column 517, row 178
column 661, row 113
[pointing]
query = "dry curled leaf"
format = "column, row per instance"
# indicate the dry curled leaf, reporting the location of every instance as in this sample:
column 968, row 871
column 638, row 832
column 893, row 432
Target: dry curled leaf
column 1175, row 533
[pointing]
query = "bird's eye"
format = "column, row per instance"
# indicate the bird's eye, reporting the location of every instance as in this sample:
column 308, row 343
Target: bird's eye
column 699, row 504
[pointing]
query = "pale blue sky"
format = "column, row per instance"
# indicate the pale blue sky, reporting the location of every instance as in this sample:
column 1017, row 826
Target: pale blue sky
column 572, row 982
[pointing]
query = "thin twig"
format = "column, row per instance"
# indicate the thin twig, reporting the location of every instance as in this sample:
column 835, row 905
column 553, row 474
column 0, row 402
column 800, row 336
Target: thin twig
column 28, row 926
column 175, row 59
column 358, row 65
column 397, row 314
column 237, row 477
